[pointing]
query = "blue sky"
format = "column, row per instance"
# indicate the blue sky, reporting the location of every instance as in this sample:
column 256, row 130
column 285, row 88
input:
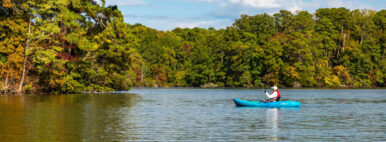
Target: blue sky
column 169, row 14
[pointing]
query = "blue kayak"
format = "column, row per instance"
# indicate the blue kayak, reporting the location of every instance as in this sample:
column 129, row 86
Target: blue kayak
column 245, row 103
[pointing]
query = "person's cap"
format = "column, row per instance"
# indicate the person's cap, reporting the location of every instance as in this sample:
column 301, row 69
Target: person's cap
column 274, row 88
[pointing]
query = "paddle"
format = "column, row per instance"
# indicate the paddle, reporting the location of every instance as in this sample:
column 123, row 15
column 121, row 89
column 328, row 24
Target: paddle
column 262, row 88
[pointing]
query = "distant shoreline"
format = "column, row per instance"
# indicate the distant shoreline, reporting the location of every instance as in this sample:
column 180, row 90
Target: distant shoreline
column 250, row 88
column 161, row 88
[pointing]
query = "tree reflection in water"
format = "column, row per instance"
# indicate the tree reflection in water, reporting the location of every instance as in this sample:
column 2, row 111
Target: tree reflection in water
column 76, row 117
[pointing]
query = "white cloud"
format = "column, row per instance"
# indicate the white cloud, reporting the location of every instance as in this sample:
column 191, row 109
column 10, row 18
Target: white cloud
column 257, row 3
column 248, row 3
column 126, row 2
column 335, row 3
column 348, row 4
column 200, row 0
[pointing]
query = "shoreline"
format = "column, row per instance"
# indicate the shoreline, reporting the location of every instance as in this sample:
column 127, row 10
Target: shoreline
column 253, row 88
column 209, row 88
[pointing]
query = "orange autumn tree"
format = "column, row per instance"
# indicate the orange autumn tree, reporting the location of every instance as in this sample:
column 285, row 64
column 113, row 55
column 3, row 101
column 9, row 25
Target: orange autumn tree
column 11, row 51
column 7, row 3
column 12, row 43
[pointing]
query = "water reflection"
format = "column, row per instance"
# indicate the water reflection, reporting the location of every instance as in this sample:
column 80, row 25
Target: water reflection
column 193, row 115
column 273, row 116
column 65, row 117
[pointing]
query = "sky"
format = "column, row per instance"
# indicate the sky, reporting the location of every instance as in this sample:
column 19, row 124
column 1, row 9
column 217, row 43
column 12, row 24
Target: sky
column 169, row 14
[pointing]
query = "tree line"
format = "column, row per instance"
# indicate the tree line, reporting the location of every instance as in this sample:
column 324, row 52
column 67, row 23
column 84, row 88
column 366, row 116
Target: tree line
column 85, row 46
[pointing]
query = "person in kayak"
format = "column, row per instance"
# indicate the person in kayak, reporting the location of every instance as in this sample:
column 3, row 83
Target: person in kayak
column 275, row 96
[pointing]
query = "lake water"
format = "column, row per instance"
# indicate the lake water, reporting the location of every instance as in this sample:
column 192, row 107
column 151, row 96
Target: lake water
column 195, row 115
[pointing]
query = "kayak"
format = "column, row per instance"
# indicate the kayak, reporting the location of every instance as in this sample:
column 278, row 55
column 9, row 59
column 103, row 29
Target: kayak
column 245, row 103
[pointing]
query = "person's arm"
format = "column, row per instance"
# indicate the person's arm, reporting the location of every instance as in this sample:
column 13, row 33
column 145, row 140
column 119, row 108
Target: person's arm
column 273, row 95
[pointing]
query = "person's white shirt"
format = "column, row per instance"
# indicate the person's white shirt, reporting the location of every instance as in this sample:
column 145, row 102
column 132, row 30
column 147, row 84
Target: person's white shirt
column 273, row 95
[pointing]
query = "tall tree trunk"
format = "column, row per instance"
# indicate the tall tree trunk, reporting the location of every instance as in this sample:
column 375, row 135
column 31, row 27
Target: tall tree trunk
column 341, row 40
column 25, row 59
column 361, row 39
column 337, row 55
column 345, row 40
column 142, row 72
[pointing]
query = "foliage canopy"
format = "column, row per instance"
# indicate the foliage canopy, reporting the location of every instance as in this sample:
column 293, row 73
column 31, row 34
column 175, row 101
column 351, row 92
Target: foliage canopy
column 84, row 46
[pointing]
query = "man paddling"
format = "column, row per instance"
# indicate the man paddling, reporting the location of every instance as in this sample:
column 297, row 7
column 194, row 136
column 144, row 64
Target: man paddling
column 275, row 96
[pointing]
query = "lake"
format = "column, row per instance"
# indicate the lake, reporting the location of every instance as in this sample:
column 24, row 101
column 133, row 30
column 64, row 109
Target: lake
column 195, row 115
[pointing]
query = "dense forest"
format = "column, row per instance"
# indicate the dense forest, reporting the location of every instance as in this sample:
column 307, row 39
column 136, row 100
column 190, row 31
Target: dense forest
column 85, row 46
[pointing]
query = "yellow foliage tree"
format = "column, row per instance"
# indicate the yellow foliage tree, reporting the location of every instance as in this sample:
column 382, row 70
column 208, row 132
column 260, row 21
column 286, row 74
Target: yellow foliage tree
column 12, row 48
